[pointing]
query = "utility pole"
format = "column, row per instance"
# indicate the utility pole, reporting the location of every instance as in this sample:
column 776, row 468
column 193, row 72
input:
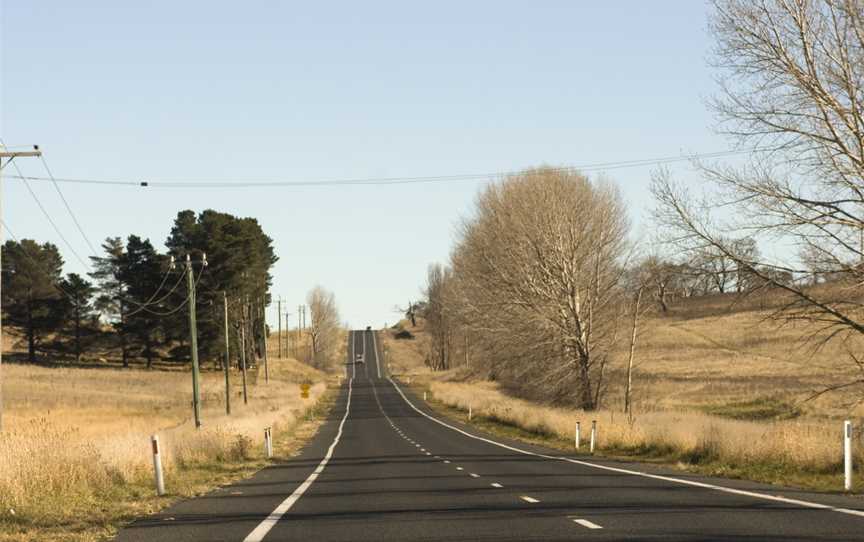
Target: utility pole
column 227, row 358
column 279, row 329
column 264, row 337
column 193, row 338
column 289, row 337
column 243, row 353
column 9, row 155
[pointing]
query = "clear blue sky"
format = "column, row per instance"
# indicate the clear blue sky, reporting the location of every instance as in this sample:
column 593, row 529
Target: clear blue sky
column 215, row 90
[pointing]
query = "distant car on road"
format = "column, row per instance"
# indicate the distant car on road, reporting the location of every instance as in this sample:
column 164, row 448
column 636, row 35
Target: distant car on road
column 359, row 358
column 368, row 328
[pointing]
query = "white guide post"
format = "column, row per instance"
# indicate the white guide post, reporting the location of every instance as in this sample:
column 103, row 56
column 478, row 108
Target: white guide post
column 157, row 466
column 578, row 434
column 847, row 455
column 268, row 442
column 593, row 435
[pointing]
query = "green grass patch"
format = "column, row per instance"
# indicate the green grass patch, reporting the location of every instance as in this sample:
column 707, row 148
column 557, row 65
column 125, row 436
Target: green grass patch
column 763, row 408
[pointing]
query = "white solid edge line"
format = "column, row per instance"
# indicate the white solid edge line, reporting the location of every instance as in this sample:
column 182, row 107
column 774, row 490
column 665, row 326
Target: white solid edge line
column 693, row 483
column 264, row 527
column 586, row 523
column 375, row 346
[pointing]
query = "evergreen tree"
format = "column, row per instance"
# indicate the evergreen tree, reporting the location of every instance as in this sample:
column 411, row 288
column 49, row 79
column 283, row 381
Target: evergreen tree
column 30, row 295
column 78, row 308
column 143, row 271
column 240, row 256
column 111, row 301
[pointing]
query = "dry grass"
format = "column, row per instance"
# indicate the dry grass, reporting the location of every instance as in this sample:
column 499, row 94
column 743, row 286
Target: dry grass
column 700, row 358
column 75, row 454
column 406, row 356
column 790, row 451
column 717, row 386
column 811, row 445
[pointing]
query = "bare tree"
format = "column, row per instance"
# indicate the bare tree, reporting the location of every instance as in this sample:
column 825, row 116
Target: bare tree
column 791, row 79
column 634, row 333
column 661, row 276
column 538, row 268
column 438, row 313
column 324, row 327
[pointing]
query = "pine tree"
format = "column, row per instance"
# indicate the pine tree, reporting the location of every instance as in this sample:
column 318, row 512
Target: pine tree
column 111, row 302
column 240, row 256
column 78, row 308
column 30, row 295
column 143, row 271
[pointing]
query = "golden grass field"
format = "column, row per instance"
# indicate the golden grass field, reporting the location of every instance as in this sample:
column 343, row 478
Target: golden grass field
column 75, row 455
column 716, row 385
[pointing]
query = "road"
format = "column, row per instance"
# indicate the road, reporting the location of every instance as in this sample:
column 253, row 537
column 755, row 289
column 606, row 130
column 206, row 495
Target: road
column 384, row 467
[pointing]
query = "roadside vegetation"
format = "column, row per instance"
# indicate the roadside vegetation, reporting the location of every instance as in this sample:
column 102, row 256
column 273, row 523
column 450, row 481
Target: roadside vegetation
column 75, row 458
column 729, row 332
column 93, row 368
column 710, row 418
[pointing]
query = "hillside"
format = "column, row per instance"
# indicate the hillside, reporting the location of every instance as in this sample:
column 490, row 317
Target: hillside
column 719, row 389
column 717, row 354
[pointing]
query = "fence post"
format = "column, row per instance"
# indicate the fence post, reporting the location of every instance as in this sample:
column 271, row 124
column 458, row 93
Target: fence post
column 847, row 455
column 157, row 466
column 578, row 434
column 593, row 434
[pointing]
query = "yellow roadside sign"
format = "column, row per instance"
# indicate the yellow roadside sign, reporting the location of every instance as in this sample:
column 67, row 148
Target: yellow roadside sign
column 304, row 391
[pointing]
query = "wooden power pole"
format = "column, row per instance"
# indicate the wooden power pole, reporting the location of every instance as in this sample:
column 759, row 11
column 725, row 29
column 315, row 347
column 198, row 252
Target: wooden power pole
column 227, row 358
column 8, row 156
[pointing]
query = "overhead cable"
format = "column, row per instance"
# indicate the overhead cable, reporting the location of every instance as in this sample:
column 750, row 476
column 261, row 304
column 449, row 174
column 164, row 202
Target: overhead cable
column 375, row 181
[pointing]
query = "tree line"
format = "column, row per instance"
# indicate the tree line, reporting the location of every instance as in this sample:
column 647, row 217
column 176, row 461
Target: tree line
column 133, row 300
column 542, row 275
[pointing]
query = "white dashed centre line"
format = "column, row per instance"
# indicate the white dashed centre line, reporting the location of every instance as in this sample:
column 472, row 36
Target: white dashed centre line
column 459, row 468
column 446, row 461
column 586, row 523
column 526, row 498
column 474, row 475
column 495, row 484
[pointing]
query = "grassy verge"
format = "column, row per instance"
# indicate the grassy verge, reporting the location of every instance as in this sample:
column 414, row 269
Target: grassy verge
column 704, row 444
column 60, row 481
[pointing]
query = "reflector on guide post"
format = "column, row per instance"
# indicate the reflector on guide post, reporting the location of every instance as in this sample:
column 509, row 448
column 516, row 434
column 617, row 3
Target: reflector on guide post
column 304, row 391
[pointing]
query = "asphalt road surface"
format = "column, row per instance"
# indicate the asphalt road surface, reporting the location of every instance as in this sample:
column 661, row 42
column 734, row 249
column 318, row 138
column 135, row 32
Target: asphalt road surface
column 384, row 467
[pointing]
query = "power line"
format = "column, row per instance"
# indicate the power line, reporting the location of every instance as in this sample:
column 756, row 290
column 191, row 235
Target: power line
column 149, row 302
column 181, row 305
column 68, row 208
column 65, row 203
column 373, row 181
column 55, row 284
column 51, row 220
